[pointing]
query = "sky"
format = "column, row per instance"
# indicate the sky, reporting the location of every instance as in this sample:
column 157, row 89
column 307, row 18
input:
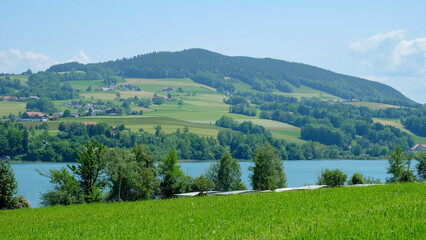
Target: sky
column 383, row 41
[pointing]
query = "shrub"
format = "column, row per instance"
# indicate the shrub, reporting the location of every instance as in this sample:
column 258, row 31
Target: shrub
column 332, row 178
column 21, row 202
column 357, row 178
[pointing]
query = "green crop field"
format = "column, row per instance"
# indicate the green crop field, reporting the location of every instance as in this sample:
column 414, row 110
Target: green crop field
column 395, row 211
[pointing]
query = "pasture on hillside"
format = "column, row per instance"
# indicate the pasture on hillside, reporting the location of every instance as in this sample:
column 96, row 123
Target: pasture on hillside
column 305, row 91
column 396, row 122
column 7, row 108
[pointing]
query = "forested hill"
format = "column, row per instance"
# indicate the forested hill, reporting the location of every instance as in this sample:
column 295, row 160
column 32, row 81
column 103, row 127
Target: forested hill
column 262, row 74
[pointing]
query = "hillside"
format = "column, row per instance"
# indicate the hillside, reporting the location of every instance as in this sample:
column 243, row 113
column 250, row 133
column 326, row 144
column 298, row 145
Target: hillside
column 393, row 211
column 222, row 71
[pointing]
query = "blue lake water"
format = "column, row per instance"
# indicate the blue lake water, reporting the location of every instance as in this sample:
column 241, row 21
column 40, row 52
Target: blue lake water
column 299, row 173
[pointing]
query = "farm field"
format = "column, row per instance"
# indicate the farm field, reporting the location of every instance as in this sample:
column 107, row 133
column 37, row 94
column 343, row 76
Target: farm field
column 394, row 211
column 372, row 105
column 304, row 91
column 396, row 122
column 21, row 78
column 7, row 107
column 202, row 106
column 83, row 85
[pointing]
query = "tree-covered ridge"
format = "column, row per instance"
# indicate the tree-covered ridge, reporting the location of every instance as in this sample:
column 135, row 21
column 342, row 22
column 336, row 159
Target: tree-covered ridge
column 263, row 74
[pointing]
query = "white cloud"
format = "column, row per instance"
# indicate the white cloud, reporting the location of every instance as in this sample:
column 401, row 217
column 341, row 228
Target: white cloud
column 393, row 59
column 364, row 45
column 81, row 57
column 392, row 53
column 16, row 61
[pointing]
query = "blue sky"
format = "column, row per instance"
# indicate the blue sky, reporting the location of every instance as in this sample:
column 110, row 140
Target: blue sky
column 383, row 41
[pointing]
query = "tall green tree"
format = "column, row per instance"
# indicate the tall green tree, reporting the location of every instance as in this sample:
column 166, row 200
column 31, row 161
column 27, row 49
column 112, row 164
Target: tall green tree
column 146, row 182
column 398, row 167
column 268, row 172
column 226, row 174
column 4, row 145
column 421, row 166
column 8, row 186
column 170, row 174
column 89, row 168
column 120, row 172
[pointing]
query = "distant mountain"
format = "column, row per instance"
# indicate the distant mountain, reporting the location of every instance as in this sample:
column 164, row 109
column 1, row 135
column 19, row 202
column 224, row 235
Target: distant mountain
column 263, row 74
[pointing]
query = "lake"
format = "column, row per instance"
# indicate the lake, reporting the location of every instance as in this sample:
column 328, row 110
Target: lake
column 299, row 173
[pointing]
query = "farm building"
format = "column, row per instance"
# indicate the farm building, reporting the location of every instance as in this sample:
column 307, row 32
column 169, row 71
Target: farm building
column 34, row 117
column 111, row 111
column 419, row 147
column 8, row 98
column 168, row 89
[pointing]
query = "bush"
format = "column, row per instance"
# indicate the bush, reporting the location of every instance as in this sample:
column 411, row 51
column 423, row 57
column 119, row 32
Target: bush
column 332, row 178
column 357, row 178
column 21, row 202
column 372, row 180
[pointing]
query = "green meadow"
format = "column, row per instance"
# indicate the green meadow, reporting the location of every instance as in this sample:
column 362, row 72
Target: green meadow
column 7, row 107
column 305, row 91
column 394, row 211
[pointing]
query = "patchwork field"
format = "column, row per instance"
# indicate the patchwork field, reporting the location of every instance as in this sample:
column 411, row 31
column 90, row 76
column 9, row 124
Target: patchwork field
column 202, row 106
column 393, row 211
column 156, row 85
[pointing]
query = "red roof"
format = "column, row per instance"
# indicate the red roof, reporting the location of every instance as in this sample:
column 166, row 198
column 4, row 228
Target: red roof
column 33, row 114
column 418, row 145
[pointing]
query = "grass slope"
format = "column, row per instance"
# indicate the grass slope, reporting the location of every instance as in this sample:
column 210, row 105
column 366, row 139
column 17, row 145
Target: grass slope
column 376, row 212
column 373, row 105
column 396, row 122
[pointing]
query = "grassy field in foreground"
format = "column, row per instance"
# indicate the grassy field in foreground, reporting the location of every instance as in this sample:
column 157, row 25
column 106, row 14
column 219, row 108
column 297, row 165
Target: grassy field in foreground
column 375, row 212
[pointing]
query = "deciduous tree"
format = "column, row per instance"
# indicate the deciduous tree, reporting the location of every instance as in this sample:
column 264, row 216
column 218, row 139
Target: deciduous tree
column 268, row 172
column 89, row 168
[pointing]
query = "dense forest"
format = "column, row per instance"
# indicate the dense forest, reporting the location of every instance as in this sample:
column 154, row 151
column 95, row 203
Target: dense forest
column 218, row 70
